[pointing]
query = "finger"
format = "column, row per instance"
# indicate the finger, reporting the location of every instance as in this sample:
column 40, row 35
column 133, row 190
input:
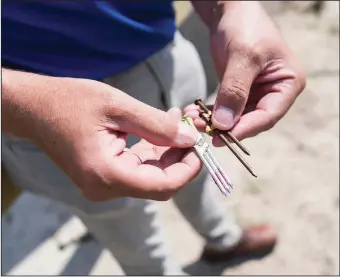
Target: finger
column 276, row 99
column 115, row 140
column 192, row 113
column 171, row 156
column 233, row 92
column 149, row 181
column 193, row 108
column 200, row 124
column 175, row 114
column 179, row 174
column 270, row 109
column 151, row 124
column 217, row 142
column 135, row 158
column 190, row 107
column 254, row 123
column 250, row 125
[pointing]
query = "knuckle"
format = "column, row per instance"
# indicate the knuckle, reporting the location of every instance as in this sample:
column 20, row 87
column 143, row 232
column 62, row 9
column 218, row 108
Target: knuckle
column 164, row 127
column 167, row 130
column 271, row 124
column 252, row 54
column 255, row 57
column 169, row 190
column 274, row 118
column 235, row 89
column 301, row 80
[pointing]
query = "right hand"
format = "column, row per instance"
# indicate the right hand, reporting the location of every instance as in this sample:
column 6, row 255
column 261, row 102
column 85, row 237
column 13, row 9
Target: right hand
column 82, row 125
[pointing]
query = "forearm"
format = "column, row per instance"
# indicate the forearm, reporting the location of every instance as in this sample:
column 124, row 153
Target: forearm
column 211, row 12
column 22, row 93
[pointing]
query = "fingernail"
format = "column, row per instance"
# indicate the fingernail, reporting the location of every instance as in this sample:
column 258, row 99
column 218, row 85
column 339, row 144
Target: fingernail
column 224, row 116
column 186, row 134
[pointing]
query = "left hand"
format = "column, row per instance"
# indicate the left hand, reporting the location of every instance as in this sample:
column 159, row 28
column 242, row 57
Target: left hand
column 259, row 76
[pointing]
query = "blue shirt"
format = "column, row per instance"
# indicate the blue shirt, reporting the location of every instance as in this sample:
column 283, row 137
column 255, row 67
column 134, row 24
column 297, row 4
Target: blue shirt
column 82, row 38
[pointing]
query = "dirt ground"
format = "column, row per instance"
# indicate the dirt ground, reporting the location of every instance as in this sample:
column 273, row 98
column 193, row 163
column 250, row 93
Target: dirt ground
column 297, row 190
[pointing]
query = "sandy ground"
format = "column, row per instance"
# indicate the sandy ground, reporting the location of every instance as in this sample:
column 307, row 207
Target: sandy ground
column 297, row 191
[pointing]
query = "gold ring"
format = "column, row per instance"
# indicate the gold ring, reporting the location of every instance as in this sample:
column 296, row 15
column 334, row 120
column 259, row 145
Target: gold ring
column 127, row 150
column 137, row 157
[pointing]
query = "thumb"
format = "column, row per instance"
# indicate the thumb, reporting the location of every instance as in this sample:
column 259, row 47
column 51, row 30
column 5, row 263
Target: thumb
column 154, row 125
column 233, row 93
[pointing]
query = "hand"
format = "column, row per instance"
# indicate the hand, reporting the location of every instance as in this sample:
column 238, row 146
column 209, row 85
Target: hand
column 82, row 125
column 259, row 76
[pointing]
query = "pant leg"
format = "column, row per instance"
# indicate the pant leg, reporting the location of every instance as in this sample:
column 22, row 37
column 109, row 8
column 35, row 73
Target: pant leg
column 182, row 85
column 128, row 228
column 135, row 237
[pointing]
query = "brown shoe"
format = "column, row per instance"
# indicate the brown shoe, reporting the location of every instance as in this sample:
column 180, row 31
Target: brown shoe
column 257, row 240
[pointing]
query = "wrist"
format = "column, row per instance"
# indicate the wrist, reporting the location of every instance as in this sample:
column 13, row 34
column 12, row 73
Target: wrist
column 212, row 12
column 21, row 95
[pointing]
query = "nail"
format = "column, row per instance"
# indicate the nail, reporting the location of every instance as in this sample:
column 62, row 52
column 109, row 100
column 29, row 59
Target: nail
column 186, row 134
column 224, row 117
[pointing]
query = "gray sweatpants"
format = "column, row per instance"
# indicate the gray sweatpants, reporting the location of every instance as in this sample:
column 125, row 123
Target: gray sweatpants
column 128, row 227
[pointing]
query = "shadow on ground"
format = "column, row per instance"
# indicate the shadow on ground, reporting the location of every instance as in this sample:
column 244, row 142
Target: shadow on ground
column 201, row 267
column 19, row 225
column 81, row 264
